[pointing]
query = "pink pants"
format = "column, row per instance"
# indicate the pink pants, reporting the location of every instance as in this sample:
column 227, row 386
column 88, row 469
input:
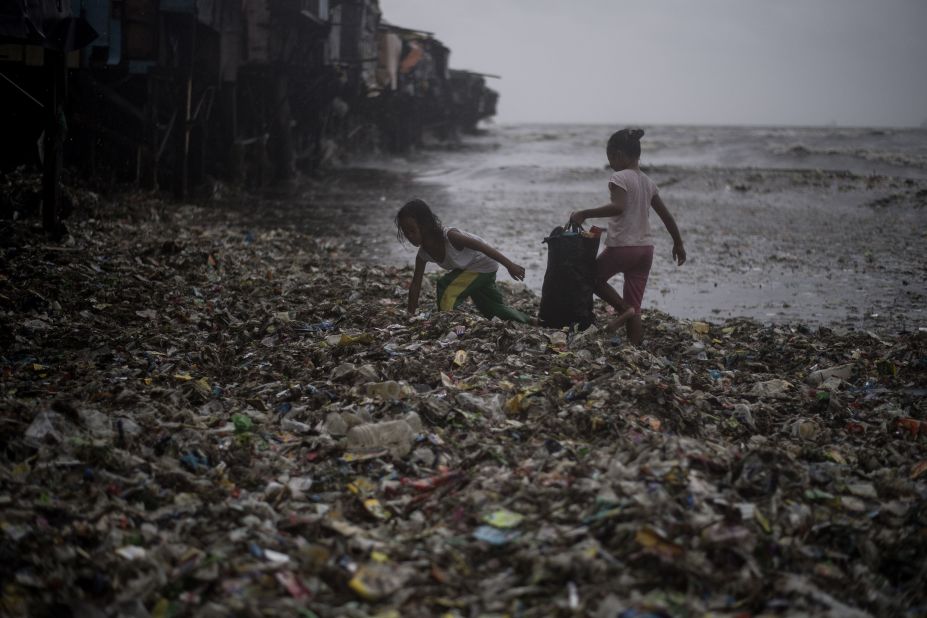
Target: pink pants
column 634, row 263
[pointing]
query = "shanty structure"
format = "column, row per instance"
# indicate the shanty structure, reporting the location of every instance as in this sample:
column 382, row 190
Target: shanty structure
column 37, row 39
column 168, row 93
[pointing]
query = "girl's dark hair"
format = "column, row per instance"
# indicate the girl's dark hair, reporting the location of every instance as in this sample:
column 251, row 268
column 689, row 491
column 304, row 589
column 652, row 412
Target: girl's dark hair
column 627, row 141
column 418, row 211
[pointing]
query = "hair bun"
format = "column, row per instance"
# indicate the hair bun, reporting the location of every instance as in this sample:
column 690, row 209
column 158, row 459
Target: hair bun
column 635, row 133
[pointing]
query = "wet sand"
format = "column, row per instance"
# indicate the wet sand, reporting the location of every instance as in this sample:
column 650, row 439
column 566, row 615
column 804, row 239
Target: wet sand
column 779, row 246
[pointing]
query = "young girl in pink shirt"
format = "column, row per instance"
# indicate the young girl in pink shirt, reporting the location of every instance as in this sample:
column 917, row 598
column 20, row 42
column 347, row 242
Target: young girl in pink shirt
column 629, row 245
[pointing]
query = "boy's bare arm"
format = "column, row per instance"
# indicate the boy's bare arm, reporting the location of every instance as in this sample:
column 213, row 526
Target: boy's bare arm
column 461, row 240
column 415, row 287
column 679, row 251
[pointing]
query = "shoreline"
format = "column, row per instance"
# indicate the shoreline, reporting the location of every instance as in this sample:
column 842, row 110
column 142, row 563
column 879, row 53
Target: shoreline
column 781, row 246
column 801, row 231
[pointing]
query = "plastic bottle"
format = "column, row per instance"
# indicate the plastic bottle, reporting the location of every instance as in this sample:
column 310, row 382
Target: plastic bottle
column 843, row 372
column 396, row 436
column 384, row 390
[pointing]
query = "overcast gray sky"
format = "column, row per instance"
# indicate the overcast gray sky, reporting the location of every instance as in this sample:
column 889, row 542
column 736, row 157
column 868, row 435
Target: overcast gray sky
column 766, row 62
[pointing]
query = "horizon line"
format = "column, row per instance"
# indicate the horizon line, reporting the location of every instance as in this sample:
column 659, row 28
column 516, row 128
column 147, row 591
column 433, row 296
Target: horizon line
column 922, row 126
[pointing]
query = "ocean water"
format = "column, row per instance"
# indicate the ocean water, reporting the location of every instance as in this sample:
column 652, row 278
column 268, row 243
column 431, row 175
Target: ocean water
column 577, row 152
column 818, row 225
column 893, row 152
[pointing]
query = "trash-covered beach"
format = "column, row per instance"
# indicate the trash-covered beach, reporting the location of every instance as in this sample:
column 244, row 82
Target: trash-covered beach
column 203, row 417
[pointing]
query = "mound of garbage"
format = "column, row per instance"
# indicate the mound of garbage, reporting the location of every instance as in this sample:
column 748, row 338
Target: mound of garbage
column 205, row 420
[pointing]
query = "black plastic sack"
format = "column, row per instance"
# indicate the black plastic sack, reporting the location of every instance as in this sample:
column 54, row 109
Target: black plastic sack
column 566, row 296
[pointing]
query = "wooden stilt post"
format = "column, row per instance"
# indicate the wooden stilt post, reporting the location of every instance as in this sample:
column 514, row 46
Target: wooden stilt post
column 228, row 109
column 149, row 171
column 56, row 72
column 184, row 76
column 282, row 132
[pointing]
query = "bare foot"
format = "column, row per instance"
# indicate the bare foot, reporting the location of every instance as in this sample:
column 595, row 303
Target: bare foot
column 619, row 321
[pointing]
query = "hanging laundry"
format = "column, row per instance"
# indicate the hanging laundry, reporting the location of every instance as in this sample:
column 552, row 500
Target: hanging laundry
column 416, row 53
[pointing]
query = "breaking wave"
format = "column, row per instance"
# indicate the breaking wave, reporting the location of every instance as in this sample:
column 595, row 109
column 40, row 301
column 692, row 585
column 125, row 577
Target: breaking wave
column 893, row 158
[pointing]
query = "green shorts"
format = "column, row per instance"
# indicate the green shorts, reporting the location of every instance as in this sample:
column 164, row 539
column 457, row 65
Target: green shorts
column 458, row 285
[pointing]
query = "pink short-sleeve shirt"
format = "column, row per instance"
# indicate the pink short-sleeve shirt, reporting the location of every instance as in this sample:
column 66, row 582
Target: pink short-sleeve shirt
column 632, row 227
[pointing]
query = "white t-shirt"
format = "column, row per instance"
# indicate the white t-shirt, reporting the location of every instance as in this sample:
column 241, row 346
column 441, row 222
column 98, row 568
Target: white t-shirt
column 462, row 259
column 632, row 227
